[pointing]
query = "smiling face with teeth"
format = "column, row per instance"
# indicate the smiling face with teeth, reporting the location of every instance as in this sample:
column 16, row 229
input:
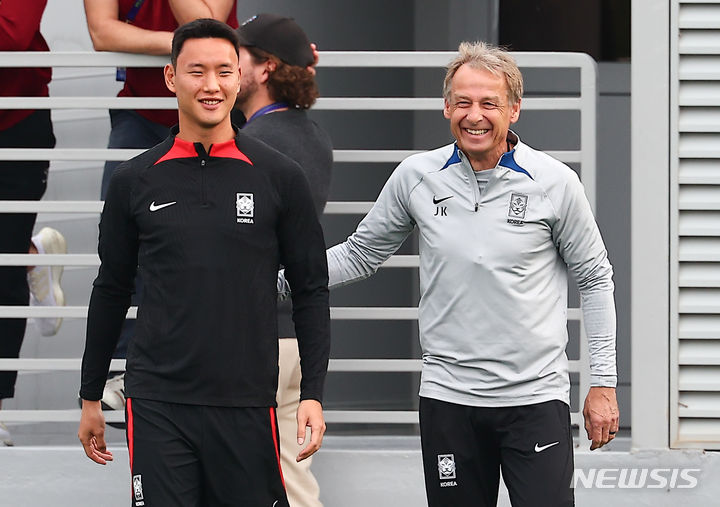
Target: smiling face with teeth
column 205, row 80
column 480, row 115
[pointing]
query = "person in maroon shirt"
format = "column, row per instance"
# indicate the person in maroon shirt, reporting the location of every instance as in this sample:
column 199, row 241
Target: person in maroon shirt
column 20, row 180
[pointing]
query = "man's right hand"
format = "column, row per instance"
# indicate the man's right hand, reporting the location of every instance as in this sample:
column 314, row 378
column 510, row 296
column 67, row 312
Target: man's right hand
column 92, row 432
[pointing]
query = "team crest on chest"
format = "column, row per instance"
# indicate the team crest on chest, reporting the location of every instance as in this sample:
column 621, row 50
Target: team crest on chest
column 517, row 208
column 245, row 205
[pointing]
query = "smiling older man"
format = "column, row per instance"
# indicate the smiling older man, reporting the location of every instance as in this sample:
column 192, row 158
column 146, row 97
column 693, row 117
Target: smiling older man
column 500, row 224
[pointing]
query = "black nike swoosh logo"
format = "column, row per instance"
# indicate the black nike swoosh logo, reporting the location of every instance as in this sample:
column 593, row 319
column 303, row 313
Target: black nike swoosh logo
column 438, row 201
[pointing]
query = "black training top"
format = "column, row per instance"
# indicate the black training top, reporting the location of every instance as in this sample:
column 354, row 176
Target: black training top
column 208, row 232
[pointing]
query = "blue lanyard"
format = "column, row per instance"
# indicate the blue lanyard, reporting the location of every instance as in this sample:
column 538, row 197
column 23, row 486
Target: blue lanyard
column 267, row 109
column 133, row 11
column 120, row 72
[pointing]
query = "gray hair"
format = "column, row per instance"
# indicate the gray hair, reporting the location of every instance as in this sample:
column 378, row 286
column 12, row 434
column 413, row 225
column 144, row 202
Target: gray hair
column 496, row 60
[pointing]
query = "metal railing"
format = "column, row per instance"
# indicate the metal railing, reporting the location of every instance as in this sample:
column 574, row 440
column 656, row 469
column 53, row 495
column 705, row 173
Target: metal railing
column 584, row 102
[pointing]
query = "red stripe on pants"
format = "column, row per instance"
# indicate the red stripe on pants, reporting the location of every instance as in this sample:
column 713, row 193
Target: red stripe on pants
column 273, row 424
column 130, row 431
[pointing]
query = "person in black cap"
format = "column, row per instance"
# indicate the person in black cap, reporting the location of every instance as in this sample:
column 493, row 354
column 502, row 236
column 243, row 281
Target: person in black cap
column 277, row 87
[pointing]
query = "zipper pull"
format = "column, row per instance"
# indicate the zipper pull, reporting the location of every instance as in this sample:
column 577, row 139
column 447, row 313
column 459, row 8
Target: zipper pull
column 202, row 162
column 476, row 206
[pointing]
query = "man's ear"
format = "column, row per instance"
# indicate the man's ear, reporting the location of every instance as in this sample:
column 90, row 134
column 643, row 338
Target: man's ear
column 269, row 66
column 446, row 110
column 170, row 77
column 515, row 111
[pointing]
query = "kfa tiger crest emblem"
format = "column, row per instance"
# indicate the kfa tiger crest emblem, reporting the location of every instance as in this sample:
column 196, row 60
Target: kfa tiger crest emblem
column 517, row 209
column 245, row 206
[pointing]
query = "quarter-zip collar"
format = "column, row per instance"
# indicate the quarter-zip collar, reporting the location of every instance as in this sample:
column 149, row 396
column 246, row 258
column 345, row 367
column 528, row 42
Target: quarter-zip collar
column 505, row 163
column 185, row 149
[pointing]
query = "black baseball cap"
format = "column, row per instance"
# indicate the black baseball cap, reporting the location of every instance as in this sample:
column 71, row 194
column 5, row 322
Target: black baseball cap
column 279, row 36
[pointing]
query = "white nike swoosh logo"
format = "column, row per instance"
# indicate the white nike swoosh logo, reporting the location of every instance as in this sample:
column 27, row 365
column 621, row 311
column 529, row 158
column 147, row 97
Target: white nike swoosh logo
column 155, row 207
column 538, row 448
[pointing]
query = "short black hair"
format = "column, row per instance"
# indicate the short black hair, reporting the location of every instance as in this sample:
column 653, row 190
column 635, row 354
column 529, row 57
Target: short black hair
column 203, row 28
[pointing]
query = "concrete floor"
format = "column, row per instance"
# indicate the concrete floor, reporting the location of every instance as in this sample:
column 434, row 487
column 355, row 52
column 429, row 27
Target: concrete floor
column 362, row 471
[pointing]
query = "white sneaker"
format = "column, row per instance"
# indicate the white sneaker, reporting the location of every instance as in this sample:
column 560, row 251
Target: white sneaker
column 44, row 281
column 5, row 437
column 114, row 397
column 114, row 393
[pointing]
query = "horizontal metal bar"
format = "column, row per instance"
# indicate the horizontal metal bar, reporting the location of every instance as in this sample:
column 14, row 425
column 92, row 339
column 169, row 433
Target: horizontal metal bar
column 430, row 103
column 708, row 308
column 64, row 415
column 331, row 416
column 402, row 261
column 698, row 360
column 79, row 59
column 322, row 104
column 709, row 49
column 372, row 155
column 371, row 416
column 345, row 365
column 699, row 385
column 442, row 58
column 102, row 154
column 345, row 59
column 51, row 364
column 338, row 312
column 703, row 413
column 375, row 365
column 73, row 154
column 49, row 260
column 690, row 205
column 51, row 206
column 567, row 156
column 108, row 102
column 40, row 312
column 332, row 208
column 348, row 207
column 396, row 261
column 80, row 312
column 335, row 365
column 688, row 281
column 373, row 313
column 379, row 104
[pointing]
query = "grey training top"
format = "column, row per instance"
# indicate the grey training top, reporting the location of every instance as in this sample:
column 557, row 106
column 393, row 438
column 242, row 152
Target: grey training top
column 493, row 273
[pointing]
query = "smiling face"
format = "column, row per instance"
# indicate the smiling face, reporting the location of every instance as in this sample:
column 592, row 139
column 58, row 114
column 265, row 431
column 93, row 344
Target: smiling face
column 480, row 115
column 205, row 80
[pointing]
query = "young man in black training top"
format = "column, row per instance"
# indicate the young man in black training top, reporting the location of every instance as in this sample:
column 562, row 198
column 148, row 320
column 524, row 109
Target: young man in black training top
column 277, row 86
column 206, row 216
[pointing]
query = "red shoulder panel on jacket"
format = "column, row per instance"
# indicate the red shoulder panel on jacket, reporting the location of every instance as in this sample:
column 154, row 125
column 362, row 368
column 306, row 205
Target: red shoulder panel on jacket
column 180, row 149
column 228, row 149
